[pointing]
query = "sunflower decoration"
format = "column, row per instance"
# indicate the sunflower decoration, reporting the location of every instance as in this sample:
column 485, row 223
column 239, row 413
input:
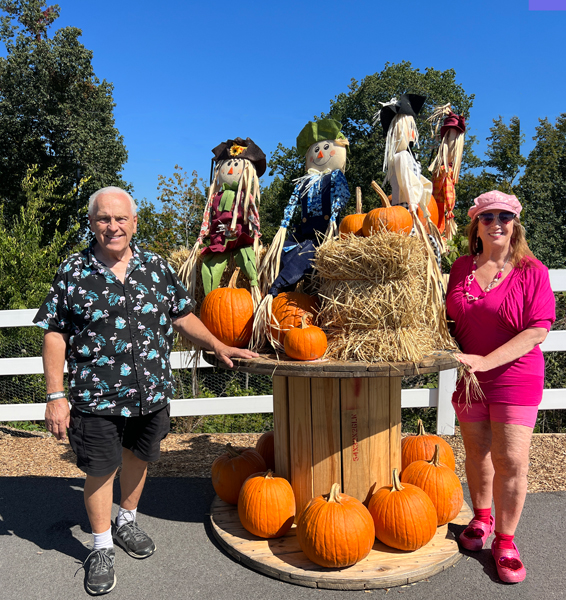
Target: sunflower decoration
column 236, row 150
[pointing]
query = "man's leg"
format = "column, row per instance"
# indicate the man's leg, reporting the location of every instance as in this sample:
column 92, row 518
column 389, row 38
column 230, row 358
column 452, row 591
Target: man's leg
column 132, row 479
column 98, row 494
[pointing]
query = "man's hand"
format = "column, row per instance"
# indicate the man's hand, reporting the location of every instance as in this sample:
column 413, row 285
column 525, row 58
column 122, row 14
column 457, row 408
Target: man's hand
column 57, row 417
column 225, row 353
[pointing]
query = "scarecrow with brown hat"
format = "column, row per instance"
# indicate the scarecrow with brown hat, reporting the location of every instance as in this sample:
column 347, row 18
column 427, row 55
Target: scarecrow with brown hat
column 230, row 222
column 445, row 167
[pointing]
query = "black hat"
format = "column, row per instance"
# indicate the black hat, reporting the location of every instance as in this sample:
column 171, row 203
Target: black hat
column 408, row 104
column 239, row 148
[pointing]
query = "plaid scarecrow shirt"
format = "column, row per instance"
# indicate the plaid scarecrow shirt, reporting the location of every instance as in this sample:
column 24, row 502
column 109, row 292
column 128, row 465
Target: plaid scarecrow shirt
column 120, row 334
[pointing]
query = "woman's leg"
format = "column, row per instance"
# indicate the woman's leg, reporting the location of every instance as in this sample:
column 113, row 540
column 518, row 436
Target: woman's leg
column 477, row 436
column 510, row 457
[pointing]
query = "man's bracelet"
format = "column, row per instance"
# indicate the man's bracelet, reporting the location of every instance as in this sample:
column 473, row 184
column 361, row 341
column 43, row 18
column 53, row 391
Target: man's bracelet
column 55, row 396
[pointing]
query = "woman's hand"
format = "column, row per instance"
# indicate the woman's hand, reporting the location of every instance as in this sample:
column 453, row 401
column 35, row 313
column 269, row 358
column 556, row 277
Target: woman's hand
column 474, row 362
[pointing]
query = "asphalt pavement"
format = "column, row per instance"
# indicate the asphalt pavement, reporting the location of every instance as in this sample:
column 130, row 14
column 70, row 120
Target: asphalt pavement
column 45, row 534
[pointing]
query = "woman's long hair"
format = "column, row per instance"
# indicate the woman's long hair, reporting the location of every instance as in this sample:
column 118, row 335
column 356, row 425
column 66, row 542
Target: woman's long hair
column 520, row 251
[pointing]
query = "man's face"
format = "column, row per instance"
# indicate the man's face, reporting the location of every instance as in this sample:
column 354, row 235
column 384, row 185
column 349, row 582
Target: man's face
column 112, row 222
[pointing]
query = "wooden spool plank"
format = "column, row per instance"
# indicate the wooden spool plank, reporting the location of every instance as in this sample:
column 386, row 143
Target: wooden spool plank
column 395, row 424
column 327, row 463
column 384, row 567
column 355, row 437
column 379, row 432
column 300, row 439
column 281, row 428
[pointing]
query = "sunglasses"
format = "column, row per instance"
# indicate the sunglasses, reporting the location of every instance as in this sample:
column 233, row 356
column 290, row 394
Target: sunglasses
column 503, row 217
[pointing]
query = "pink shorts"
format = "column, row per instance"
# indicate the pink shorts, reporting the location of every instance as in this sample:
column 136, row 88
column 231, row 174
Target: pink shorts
column 511, row 414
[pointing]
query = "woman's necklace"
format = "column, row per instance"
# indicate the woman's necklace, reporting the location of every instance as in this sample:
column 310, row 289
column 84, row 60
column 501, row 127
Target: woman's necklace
column 472, row 276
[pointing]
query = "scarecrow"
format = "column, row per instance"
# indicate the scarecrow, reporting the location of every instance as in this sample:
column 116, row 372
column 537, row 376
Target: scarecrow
column 403, row 170
column 231, row 219
column 446, row 165
column 321, row 193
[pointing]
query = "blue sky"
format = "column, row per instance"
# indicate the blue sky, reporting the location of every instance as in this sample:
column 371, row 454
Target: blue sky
column 188, row 75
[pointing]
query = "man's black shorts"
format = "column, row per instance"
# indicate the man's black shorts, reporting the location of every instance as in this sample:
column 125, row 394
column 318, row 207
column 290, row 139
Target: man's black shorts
column 98, row 440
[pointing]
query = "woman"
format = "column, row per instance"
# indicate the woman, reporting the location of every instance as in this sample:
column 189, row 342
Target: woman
column 502, row 306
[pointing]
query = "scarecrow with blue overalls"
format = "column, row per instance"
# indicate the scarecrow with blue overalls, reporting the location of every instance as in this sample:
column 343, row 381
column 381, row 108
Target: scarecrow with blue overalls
column 321, row 193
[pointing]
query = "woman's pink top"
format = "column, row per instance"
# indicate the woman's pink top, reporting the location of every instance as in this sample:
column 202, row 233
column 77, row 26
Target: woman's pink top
column 523, row 299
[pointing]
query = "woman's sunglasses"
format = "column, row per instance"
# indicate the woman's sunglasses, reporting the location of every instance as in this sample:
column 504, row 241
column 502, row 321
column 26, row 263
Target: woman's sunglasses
column 503, row 217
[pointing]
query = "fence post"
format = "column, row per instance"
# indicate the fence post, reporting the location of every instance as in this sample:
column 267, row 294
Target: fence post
column 445, row 415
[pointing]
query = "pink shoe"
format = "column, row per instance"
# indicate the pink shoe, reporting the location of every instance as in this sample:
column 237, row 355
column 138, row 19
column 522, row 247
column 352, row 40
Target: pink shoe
column 476, row 533
column 510, row 568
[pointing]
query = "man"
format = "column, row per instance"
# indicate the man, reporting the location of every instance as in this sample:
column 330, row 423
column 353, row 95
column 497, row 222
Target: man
column 111, row 313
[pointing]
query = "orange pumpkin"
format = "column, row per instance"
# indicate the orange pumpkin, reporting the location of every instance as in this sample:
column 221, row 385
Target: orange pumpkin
column 421, row 447
column 307, row 342
column 228, row 314
column 393, row 218
column 266, row 505
column 404, row 516
column 266, row 447
column 440, row 483
column 335, row 530
column 287, row 310
column 230, row 470
column 433, row 210
column 353, row 223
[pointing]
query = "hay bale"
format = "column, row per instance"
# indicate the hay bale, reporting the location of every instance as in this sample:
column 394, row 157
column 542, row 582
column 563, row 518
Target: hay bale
column 376, row 300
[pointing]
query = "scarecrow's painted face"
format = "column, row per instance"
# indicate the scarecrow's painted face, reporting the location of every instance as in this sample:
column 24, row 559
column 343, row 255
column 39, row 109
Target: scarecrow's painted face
column 231, row 170
column 404, row 134
column 326, row 155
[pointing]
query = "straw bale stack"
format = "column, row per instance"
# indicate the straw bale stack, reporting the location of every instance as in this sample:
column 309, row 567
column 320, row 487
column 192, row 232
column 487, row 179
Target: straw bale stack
column 376, row 299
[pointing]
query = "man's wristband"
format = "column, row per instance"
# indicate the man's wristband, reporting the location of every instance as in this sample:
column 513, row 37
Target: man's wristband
column 55, row 396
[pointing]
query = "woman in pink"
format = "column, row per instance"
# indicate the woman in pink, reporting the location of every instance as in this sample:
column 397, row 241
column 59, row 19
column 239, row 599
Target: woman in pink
column 502, row 305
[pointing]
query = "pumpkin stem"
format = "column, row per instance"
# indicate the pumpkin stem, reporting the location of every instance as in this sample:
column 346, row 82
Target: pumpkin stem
column 232, row 451
column 421, row 428
column 304, row 318
column 234, row 278
column 269, row 474
column 396, row 482
column 334, row 495
column 435, row 460
column 384, row 199
column 358, row 200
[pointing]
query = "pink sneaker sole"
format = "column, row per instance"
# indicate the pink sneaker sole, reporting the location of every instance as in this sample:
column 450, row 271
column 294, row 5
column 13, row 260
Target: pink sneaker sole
column 476, row 533
column 510, row 568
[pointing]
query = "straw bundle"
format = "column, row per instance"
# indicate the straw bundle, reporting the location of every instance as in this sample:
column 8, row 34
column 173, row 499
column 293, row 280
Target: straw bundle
column 377, row 302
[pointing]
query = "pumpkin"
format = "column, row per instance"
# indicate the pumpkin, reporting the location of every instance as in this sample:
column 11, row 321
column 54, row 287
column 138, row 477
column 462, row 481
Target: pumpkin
column 440, row 483
column 266, row 505
column 404, row 516
column 433, row 210
column 230, row 470
column 228, row 313
column 353, row 223
column 393, row 218
column 266, row 447
column 421, row 447
column 287, row 310
column 335, row 530
column 307, row 342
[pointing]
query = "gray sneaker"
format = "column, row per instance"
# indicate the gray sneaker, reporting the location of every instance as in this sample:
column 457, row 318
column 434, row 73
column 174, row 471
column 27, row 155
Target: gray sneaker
column 100, row 577
column 133, row 540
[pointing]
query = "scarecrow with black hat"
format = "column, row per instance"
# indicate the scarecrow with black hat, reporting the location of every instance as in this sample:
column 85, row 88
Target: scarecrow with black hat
column 446, row 165
column 231, row 219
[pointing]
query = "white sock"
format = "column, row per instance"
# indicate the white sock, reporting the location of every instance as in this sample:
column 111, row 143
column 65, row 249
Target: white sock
column 103, row 540
column 124, row 516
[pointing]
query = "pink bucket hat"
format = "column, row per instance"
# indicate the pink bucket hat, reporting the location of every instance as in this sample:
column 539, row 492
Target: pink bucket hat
column 495, row 200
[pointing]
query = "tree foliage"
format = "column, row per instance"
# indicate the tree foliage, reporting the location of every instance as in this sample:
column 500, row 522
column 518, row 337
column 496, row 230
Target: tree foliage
column 54, row 111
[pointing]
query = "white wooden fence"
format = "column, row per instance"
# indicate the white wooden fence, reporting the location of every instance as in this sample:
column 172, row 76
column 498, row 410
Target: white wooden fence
column 440, row 397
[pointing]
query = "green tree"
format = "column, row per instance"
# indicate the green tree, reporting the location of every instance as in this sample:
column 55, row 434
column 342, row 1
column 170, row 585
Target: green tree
column 54, row 111
column 542, row 192
column 356, row 110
